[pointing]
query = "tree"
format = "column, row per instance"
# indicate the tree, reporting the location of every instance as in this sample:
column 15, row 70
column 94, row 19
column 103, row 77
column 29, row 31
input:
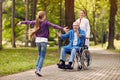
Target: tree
column 34, row 6
column 59, row 40
column 34, row 9
column 0, row 24
column 113, row 11
column 13, row 23
column 93, row 31
column 69, row 13
column 27, row 18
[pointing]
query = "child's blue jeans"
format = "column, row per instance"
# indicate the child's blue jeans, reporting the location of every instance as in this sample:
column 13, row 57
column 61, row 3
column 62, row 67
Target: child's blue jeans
column 41, row 54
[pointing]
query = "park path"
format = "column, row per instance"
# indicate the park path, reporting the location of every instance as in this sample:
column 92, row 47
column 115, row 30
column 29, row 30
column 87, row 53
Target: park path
column 105, row 66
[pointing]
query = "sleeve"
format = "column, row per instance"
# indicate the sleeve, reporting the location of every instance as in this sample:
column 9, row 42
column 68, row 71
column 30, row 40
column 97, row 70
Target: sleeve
column 88, row 29
column 55, row 26
column 82, row 34
column 65, row 36
column 28, row 22
column 82, row 37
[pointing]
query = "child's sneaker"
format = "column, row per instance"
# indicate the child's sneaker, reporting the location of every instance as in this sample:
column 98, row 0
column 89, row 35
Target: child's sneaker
column 38, row 73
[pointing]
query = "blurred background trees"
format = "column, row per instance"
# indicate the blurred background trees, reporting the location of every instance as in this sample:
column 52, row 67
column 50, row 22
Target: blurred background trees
column 104, row 17
column 1, row 24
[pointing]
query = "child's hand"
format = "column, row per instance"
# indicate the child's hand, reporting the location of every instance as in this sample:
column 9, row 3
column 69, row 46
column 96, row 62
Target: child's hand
column 19, row 23
column 59, row 34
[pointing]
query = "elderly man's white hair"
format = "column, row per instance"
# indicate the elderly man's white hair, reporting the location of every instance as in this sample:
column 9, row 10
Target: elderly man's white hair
column 75, row 23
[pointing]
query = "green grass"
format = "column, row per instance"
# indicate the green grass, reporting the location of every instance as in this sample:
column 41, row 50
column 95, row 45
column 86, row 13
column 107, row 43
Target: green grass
column 118, row 50
column 22, row 59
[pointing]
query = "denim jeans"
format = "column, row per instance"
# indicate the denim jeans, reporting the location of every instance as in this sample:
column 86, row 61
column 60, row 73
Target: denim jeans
column 41, row 54
column 63, row 54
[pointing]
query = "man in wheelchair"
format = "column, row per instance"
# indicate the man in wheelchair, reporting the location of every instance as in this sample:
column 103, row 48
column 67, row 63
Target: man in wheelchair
column 76, row 38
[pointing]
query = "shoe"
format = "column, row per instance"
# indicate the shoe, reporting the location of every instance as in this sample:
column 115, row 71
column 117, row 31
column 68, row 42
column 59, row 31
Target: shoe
column 69, row 66
column 61, row 64
column 38, row 73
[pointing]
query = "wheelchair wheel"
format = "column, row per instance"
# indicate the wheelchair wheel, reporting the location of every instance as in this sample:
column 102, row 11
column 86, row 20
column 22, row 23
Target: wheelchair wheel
column 79, row 67
column 85, row 58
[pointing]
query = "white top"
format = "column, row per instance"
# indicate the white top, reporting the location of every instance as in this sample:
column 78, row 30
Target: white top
column 84, row 25
column 41, row 39
column 75, row 39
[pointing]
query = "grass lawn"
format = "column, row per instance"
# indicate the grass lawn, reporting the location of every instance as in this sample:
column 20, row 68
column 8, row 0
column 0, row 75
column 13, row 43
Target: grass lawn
column 22, row 59
column 118, row 50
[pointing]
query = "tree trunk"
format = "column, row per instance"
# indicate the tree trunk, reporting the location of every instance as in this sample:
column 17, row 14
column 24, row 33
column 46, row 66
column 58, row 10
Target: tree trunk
column 94, row 38
column 93, row 23
column 94, row 33
column 34, row 9
column 59, row 40
column 69, row 13
column 13, row 23
column 27, row 18
column 33, row 18
column 113, row 11
column 0, row 24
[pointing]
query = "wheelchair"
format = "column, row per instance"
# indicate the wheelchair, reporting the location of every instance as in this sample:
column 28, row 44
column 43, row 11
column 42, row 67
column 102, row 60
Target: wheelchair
column 83, row 58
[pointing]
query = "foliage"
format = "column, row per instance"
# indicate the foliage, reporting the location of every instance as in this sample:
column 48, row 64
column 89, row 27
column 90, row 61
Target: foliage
column 97, row 13
column 20, row 13
column 117, row 26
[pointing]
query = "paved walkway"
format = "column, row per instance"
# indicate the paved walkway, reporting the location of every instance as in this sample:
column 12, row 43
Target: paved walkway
column 105, row 66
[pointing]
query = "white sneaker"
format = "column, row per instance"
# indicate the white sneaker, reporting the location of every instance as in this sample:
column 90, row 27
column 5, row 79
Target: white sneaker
column 38, row 73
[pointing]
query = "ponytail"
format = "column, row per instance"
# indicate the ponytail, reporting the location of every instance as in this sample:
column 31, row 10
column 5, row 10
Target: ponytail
column 36, row 28
column 37, row 24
